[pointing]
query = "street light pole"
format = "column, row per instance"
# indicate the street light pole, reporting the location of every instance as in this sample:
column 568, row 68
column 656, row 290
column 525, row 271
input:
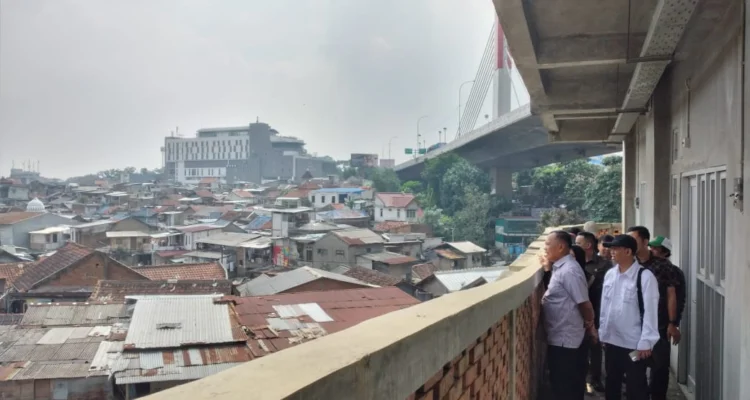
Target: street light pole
column 416, row 153
column 389, row 146
column 459, row 104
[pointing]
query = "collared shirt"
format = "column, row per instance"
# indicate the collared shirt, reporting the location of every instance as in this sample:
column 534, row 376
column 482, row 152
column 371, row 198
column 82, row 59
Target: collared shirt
column 666, row 277
column 597, row 267
column 620, row 319
column 566, row 290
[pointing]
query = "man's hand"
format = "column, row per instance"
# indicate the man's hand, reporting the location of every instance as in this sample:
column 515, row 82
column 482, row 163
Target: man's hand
column 594, row 334
column 644, row 354
column 545, row 263
column 674, row 334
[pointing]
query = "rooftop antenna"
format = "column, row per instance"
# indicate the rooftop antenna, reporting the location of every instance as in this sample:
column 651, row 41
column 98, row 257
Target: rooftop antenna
column 257, row 120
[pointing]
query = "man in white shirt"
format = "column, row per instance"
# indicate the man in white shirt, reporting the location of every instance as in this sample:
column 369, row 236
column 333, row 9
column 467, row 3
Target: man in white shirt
column 628, row 322
column 567, row 315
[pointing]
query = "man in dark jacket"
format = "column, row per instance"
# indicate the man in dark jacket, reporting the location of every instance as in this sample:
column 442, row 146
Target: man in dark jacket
column 596, row 267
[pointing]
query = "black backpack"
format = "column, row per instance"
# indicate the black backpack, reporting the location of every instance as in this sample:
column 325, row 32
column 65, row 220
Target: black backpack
column 639, row 287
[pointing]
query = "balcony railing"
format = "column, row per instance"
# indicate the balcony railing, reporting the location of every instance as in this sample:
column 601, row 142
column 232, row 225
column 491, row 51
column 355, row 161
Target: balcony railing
column 482, row 343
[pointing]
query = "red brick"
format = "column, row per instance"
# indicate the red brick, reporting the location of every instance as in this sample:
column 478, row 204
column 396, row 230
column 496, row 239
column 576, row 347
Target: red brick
column 432, row 381
column 461, row 366
column 454, row 393
column 476, row 353
column 428, row 395
column 484, row 362
column 446, row 383
column 471, row 375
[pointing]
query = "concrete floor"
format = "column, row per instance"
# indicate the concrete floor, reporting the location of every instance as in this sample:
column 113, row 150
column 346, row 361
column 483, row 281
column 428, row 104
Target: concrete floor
column 674, row 391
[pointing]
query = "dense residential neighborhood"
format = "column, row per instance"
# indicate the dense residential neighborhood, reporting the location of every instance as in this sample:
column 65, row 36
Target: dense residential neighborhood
column 96, row 279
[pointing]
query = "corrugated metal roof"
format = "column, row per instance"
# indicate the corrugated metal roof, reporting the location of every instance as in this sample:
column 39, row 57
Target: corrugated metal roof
column 231, row 239
column 211, row 255
column 284, row 320
column 179, row 374
column 288, row 280
column 466, row 247
column 59, row 370
column 445, row 253
column 358, row 236
column 387, row 257
column 73, row 314
column 175, row 321
column 455, row 280
column 123, row 234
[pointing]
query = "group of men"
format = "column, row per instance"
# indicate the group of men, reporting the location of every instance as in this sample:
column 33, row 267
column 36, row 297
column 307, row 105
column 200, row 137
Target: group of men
column 617, row 298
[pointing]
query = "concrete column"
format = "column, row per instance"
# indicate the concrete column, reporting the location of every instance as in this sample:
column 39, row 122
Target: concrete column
column 501, row 181
column 662, row 163
column 628, row 181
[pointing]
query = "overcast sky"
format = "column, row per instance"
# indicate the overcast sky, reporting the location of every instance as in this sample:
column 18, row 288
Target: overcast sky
column 87, row 85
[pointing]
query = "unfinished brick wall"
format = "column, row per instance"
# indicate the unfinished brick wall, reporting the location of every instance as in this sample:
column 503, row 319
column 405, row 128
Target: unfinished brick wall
column 504, row 363
column 90, row 270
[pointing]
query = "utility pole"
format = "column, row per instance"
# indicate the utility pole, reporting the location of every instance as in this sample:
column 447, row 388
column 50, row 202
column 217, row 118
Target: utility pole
column 389, row 146
column 416, row 153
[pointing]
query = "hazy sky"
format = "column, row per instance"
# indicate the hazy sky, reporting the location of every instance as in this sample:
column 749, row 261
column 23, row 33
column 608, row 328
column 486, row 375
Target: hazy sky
column 87, row 85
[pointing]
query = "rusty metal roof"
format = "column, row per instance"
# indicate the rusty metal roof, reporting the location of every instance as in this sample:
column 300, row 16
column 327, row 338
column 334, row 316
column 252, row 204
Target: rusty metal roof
column 387, row 257
column 174, row 321
column 284, row 320
column 445, row 253
column 368, row 275
column 66, row 256
column 14, row 217
column 32, row 370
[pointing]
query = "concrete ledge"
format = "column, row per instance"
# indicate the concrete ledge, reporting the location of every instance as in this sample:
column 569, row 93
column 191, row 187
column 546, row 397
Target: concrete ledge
column 386, row 358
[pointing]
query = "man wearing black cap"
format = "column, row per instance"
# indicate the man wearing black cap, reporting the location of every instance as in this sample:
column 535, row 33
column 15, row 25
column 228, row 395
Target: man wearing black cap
column 628, row 323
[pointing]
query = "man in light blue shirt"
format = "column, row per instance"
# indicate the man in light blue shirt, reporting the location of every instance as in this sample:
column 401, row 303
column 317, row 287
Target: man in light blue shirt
column 628, row 322
column 568, row 315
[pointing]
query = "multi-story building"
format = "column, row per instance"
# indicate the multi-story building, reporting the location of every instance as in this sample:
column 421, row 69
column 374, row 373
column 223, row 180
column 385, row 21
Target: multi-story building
column 246, row 153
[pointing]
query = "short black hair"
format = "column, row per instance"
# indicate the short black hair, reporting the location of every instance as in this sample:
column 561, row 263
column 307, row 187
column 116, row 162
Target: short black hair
column 563, row 237
column 579, row 254
column 575, row 230
column 590, row 238
column 642, row 232
column 607, row 238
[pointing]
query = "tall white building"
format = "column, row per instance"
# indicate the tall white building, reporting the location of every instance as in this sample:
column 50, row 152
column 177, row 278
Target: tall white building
column 245, row 153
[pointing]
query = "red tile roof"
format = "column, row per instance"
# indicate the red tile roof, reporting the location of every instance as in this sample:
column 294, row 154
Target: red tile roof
column 300, row 193
column 14, row 217
column 65, row 257
column 345, row 308
column 115, row 291
column 396, row 200
column 208, row 180
column 11, row 271
column 371, row 276
column 243, row 193
column 204, row 193
column 422, row 271
column 198, row 272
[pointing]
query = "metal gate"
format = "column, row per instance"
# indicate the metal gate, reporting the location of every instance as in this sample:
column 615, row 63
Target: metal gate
column 703, row 255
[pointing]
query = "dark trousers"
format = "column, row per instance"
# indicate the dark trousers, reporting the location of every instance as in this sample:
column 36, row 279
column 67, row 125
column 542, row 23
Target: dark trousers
column 595, row 362
column 660, row 368
column 567, row 371
column 617, row 362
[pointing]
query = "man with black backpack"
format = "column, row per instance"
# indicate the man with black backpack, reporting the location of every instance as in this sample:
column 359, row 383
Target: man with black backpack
column 628, row 320
column 661, row 248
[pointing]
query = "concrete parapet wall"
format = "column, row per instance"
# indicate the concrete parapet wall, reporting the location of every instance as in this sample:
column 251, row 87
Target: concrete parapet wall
column 481, row 343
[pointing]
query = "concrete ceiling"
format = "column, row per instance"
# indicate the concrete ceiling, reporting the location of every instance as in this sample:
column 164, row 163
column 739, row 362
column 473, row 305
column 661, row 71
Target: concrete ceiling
column 591, row 66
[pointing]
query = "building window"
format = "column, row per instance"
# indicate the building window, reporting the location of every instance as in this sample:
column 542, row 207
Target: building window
column 339, row 253
column 312, row 199
column 675, row 195
column 398, row 213
column 322, row 199
column 675, row 145
column 369, row 250
column 411, row 213
column 381, row 212
column 323, row 252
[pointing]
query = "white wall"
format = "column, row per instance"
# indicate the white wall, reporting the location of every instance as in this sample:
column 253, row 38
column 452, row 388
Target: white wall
column 704, row 122
column 320, row 198
column 394, row 214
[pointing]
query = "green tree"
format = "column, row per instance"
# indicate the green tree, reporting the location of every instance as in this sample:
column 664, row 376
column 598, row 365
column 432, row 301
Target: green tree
column 415, row 187
column 434, row 170
column 384, row 180
column 440, row 223
column 348, row 172
column 579, row 175
column 472, row 222
column 455, row 182
column 604, row 195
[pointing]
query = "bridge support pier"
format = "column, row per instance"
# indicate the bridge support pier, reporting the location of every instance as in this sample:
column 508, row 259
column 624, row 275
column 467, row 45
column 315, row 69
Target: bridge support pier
column 501, row 181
